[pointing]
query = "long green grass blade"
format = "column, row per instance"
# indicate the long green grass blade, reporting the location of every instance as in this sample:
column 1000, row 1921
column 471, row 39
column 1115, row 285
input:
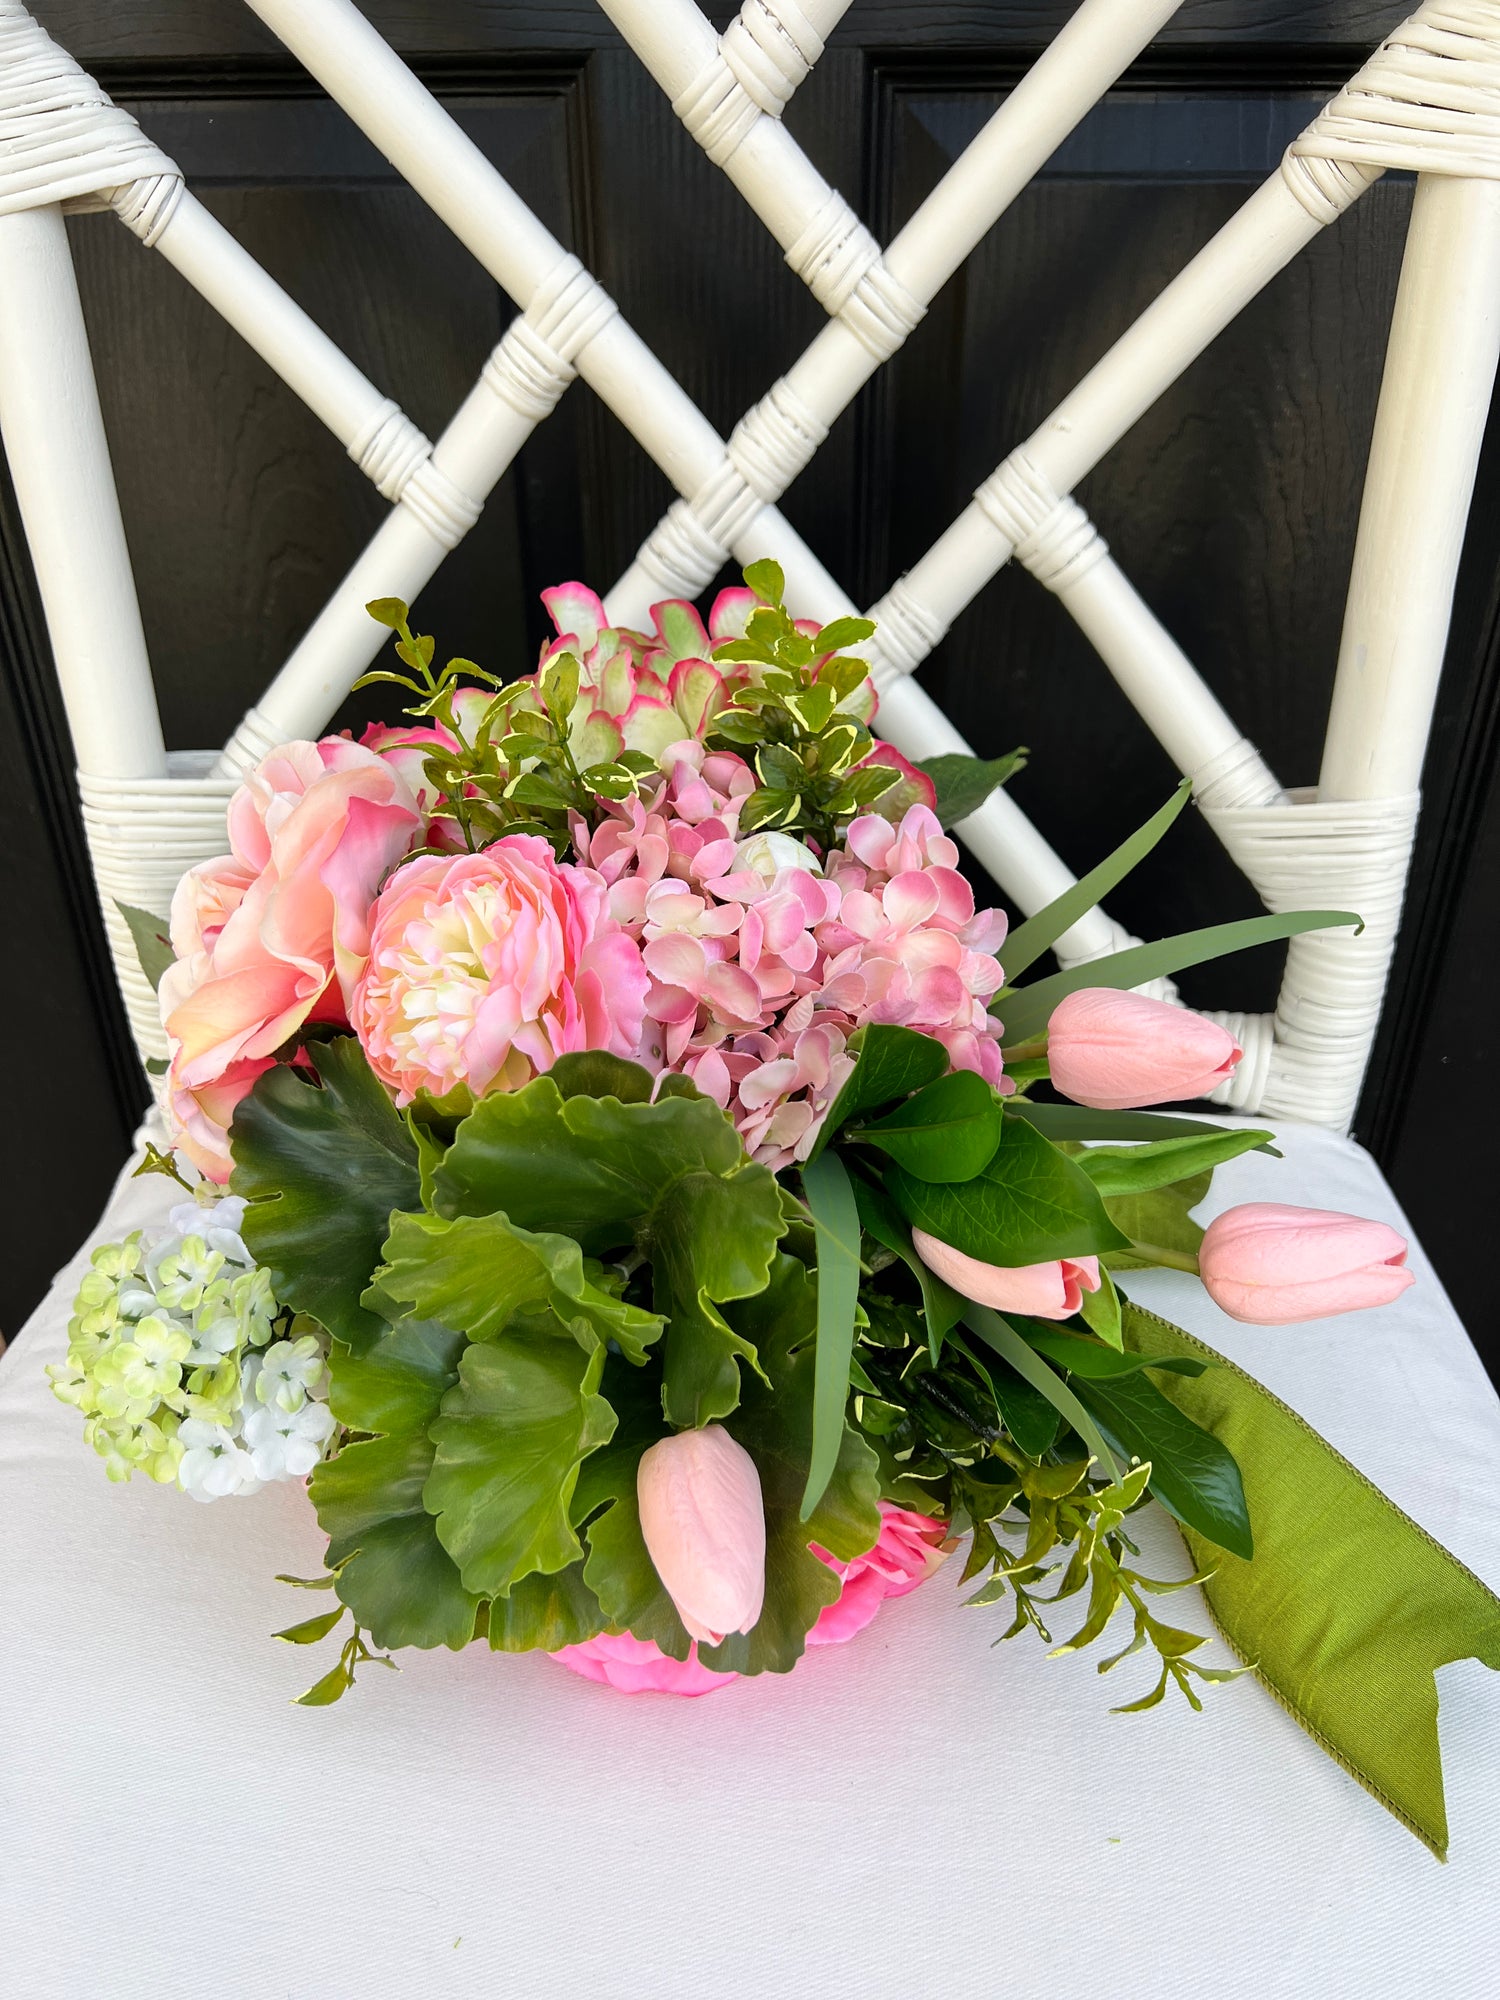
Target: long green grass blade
column 1026, row 944
column 1027, row 1013
column 830, row 1197
column 1002, row 1336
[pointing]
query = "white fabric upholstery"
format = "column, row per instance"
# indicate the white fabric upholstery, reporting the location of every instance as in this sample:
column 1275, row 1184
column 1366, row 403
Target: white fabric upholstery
column 914, row 1814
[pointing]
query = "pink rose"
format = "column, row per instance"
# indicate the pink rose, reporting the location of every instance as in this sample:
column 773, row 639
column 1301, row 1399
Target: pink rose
column 1046, row 1291
column 1276, row 1266
column 485, row 968
column 910, row 1549
column 1114, row 1051
column 274, row 934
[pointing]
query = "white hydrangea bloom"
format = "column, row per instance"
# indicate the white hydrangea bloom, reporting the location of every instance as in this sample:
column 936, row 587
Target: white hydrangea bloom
column 174, row 1361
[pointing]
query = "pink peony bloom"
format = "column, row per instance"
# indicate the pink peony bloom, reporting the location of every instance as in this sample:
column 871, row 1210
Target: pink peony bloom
column 639, row 1666
column 1114, row 1051
column 1277, row 1266
column 1046, row 1291
column 484, row 968
column 909, row 1550
column 704, row 1526
column 274, row 934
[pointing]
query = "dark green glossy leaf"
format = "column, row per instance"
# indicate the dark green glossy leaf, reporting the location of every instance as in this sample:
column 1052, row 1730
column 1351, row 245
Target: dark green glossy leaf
column 323, row 1169
column 830, row 1196
column 393, row 1573
column 1027, row 1012
column 1159, row 1225
column 889, row 1063
column 478, row 1272
column 948, row 1132
column 1090, row 1358
column 1075, row 1122
column 1117, row 1170
column 152, row 939
column 1031, row 1418
column 1192, row 1474
column 1030, row 1205
column 507, row 1447
column 1028, row 941
column 1008, row 1344
column 964, row 783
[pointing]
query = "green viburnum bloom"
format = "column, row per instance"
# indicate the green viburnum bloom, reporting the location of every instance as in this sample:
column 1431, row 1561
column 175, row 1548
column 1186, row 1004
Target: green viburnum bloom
column 290, row 1372
column 184, row 1276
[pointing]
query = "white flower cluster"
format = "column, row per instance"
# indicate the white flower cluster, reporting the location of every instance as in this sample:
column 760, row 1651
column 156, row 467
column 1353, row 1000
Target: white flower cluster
column 173, row 1360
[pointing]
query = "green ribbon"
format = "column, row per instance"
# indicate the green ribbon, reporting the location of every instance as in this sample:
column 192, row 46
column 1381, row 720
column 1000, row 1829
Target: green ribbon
column 1348, row 1606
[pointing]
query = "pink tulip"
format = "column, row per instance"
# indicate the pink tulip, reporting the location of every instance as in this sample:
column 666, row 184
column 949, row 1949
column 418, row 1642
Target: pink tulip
column 705, row 1529
column 1113, row 1051
column 1276, row 1266
column 1046, row 1291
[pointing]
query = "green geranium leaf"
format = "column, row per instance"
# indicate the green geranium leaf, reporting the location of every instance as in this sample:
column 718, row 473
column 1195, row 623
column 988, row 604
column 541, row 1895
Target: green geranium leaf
column 513, row 1429
column 596, row 1073
column 942, row 1307
column 669, row 1179
column 1030, row 1205
column 323, row 1165
column 543, row 1613
column 479, row 1272
column 1192, row 1474
column 1348, row 1606
column 152, row 939
column 1117, row 1170
column 946, row 1133
column 964, row 783
column 1157, row 1223
column 889, row 1063
column 773, row 1423
column 392, row 1571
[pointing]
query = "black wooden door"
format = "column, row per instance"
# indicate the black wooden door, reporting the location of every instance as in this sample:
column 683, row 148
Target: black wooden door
column 1232, row 505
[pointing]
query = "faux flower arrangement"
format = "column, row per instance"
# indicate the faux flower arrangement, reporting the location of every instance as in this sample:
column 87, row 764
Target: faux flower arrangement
column 653, row 1231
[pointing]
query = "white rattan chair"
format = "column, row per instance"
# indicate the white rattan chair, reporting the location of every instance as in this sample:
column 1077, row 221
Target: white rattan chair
column 1425, row 101
column 1429, row 101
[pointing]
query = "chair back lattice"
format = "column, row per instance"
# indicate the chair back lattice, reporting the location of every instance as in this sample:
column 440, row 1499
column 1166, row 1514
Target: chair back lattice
column 1428, row 101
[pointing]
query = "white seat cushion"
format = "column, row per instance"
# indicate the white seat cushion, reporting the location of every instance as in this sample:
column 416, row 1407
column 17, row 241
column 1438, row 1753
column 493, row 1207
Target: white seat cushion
column 901, row 1813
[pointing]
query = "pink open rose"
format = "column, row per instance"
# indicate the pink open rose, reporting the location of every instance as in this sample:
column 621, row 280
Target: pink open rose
column 274, row 934
column 485, row 968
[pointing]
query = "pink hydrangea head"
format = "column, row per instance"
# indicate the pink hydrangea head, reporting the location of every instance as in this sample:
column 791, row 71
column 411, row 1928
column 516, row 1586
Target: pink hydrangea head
column 485, row 968
column 275, row 933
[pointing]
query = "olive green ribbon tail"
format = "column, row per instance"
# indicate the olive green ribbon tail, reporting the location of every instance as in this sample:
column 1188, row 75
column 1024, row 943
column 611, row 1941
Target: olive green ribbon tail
column 1348, row 1607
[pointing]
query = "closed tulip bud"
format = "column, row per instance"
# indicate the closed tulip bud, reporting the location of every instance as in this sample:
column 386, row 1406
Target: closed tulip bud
column 704, row 1525
column 1045, row 1291
column 1114, row 1051
column 1274, row 1266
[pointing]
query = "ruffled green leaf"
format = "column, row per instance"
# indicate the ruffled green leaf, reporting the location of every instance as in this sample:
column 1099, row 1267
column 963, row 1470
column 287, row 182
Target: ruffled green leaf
column 1030, row 1205
column 323, row 1166
column 478, row 1273
column 513, row 1429
column 392, row 1572
column 948, row 1132
column 669, row 1179
column 1348, row 1606
column 543, row 1613
column 773, row 1424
